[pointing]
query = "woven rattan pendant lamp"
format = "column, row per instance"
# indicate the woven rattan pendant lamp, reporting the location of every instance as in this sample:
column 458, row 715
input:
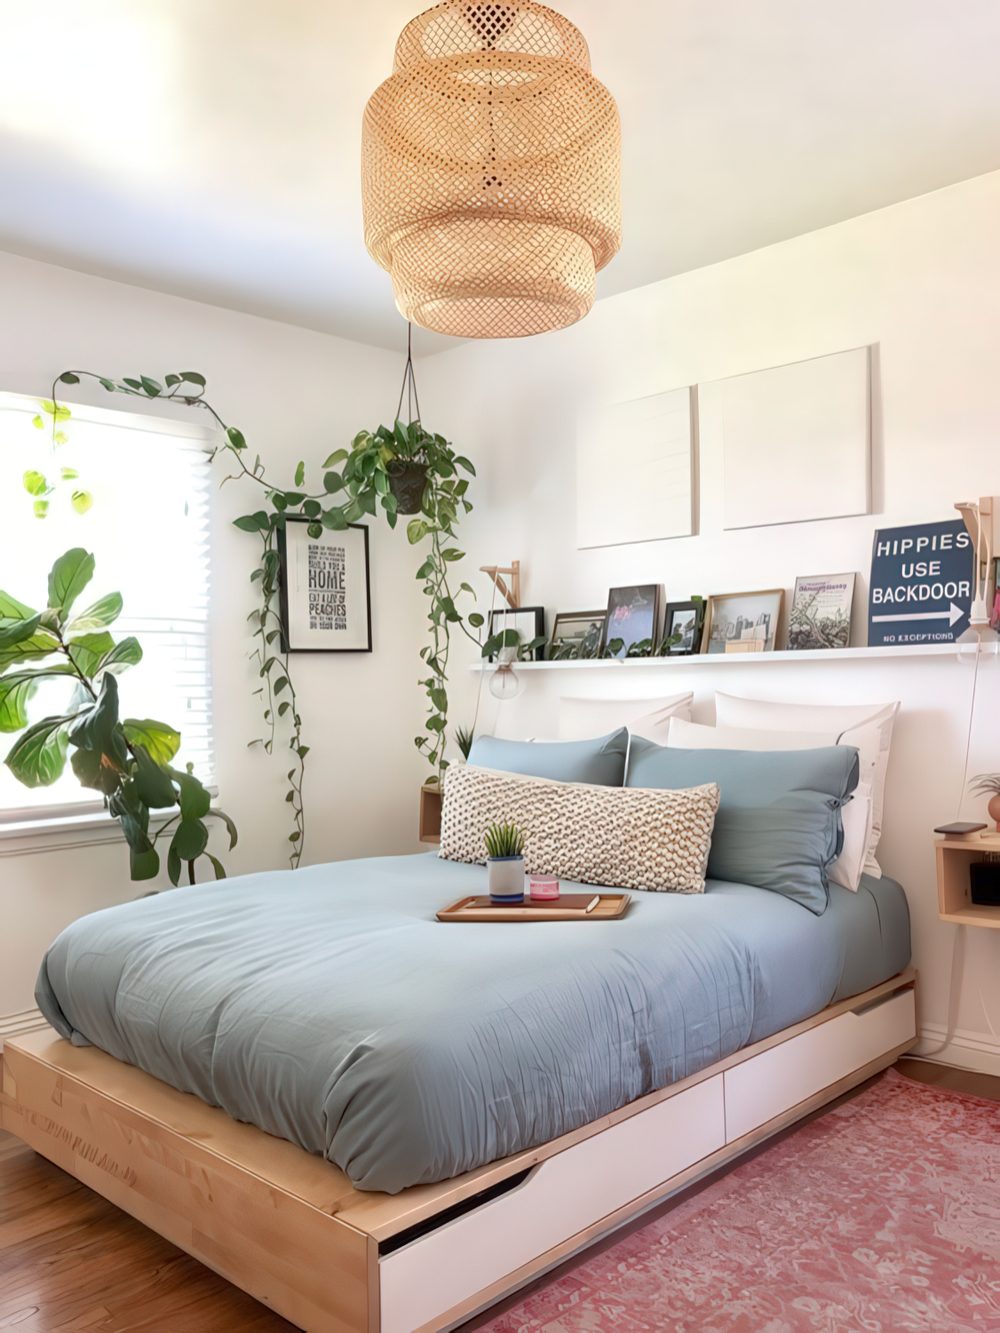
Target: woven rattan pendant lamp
column 490, row 171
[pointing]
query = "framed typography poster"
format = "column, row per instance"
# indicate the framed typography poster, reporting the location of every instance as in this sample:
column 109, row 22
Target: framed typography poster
column 325, row 589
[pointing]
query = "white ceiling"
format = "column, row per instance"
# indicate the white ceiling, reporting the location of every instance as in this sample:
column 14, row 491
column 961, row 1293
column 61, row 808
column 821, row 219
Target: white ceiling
column 210, row 147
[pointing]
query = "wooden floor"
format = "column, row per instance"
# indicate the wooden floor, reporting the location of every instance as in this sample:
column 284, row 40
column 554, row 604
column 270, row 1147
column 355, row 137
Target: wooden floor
column 71, row 1261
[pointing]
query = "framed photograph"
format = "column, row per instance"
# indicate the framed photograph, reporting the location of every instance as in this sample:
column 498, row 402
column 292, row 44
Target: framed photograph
column 529, row 621
column 685, row 619
column 821, row 612
column 743, row 622
column 325, row 589
column 576, row 634
column 633, row 616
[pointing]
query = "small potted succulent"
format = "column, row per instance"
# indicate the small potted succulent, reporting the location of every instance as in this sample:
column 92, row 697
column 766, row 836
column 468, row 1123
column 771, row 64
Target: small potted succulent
column 988, row 784
column 505, row 863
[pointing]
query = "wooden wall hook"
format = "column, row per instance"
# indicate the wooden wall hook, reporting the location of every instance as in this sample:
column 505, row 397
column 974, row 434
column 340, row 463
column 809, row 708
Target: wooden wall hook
column 512, row 594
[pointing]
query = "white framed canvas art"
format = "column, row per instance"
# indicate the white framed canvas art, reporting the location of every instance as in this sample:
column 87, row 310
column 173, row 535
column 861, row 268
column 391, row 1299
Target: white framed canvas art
column 648, row 438
column 795, row 440
column 325, row 589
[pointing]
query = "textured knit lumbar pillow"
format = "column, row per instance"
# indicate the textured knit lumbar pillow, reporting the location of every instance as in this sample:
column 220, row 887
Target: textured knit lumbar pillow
column 616, row 837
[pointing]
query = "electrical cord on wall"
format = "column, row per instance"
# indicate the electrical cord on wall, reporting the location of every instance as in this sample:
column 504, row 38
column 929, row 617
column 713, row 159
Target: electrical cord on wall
column 956, row 969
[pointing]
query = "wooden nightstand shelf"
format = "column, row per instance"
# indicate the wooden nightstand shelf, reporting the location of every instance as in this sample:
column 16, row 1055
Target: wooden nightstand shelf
column 954, row 856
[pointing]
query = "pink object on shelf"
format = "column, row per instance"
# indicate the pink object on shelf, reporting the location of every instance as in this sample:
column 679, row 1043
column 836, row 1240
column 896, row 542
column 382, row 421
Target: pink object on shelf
column 543, row 888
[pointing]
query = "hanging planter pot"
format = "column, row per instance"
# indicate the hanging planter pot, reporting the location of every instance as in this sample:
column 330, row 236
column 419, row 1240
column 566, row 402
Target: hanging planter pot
column 407, row 482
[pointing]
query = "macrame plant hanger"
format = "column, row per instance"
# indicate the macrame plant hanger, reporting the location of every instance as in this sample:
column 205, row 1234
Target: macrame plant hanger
column 408, row 388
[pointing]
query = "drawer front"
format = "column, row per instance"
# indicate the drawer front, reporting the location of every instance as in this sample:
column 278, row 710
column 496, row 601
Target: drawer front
column 562, row 1196
column 787, row 1074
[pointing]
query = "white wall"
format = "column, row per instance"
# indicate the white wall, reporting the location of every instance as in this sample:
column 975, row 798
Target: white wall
column 921, row 281
column 295, row 394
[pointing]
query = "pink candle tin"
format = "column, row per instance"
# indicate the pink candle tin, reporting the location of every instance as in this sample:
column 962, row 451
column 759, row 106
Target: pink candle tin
column 543, row 888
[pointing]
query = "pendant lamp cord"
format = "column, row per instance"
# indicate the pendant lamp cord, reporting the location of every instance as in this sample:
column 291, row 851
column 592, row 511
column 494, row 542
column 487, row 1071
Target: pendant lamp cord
column 408, row 389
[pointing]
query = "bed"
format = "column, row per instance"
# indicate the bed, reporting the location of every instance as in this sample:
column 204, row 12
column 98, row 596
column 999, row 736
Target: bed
column 474, row 1101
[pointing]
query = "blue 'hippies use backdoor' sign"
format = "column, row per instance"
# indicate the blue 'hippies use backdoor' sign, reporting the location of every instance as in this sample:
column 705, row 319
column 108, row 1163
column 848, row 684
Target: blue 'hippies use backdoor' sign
column 921, row 584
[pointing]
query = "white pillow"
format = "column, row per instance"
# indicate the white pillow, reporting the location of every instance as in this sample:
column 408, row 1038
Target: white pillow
column 856, row 814
column 863, row 725
column 579, row 719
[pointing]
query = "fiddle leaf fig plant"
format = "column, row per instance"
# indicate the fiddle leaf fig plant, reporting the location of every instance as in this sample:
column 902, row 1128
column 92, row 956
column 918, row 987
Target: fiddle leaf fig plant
column 128, row 760
column 393, row 471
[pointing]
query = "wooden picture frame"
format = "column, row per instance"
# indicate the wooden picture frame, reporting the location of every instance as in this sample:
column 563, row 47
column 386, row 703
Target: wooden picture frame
column 592, row 625
column 354, row 597
column 632, row 609
column 741, row 641
column 673, row 609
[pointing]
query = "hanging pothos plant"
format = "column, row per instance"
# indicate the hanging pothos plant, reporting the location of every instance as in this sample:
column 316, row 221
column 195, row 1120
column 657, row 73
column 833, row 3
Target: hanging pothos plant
column 399, row 470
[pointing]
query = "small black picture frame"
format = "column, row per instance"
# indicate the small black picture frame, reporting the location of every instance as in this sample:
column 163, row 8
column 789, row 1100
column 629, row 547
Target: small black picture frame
column 308, row 629
column 529, row 620
column 633, row 616
column 691, row 616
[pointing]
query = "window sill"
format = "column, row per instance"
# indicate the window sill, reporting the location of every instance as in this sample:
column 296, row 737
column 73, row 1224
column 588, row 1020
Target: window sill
column 58, row 832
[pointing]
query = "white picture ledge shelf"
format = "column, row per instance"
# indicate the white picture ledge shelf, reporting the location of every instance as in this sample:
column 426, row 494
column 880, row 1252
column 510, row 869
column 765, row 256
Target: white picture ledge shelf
column 801, row 657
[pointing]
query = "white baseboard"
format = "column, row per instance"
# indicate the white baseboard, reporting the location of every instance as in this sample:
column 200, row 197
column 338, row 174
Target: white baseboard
column 16, row 1025
column 965, row 1050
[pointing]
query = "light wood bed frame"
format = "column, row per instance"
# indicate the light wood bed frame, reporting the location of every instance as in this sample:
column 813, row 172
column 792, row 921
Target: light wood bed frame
column 290, row 1229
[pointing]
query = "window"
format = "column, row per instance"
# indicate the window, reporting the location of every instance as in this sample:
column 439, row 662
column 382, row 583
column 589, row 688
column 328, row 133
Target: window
column 148, row 528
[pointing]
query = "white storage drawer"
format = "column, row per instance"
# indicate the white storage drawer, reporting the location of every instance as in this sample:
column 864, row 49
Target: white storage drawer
column 787, row 1074
column 563, row 1195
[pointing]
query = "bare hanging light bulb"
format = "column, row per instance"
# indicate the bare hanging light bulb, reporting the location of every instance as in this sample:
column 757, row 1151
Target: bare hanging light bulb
column 505, row 683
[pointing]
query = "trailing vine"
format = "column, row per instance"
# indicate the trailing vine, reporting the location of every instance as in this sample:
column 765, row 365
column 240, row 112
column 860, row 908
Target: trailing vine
column 399, row 470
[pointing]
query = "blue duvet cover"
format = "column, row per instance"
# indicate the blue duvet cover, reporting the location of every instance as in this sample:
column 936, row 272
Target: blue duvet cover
column 328, row 1006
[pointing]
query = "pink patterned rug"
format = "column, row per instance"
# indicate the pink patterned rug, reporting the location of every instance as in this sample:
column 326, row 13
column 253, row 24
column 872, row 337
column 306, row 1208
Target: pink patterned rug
column 882, row 1215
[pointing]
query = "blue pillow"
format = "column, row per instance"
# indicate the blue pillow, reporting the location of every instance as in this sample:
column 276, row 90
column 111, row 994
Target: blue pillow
column 600, row 761
column 779, row 825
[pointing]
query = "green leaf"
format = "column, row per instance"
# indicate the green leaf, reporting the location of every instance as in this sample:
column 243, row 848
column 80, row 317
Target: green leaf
column 89, row 651
column 195, row 800
column 332, row 482
column 338, row 456
column 151, row 782
column 230, row 826
column 68, row 474
column 217, row 866
column 15, row 630
column 190, row 839
column 56, row 410
column 91, row 771
column 160, row 741
column 171, row 380
column 300, row 473
column 37, row 422
column 235, row 437
column 174, row 866
column 143, row 864
column 193, row 377
column 38, row 757
column 36, row 484
column 258, row 522
column 82, row 501
column 98, row 728
column 416, row 531
column 67, row 377
column 105, row 611
column 464, row 463
column 124, row 654
column 475, row 619
column 69, row 576
column 312, row 508
column 334, row 519
column 153, row 387
column 16, row 691
column 315, row 530
column 40, row 644
column 41, row 508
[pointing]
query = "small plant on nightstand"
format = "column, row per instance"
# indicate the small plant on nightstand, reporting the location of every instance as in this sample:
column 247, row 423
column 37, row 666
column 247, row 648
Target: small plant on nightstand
column 988, row 784
column 464, row 736
column 505, row 862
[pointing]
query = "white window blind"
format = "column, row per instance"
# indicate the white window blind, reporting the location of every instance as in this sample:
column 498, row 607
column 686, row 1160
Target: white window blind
column 149, row 531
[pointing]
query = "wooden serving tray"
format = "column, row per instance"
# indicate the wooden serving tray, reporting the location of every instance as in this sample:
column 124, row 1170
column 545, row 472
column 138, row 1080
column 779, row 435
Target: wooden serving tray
column 569, row 907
